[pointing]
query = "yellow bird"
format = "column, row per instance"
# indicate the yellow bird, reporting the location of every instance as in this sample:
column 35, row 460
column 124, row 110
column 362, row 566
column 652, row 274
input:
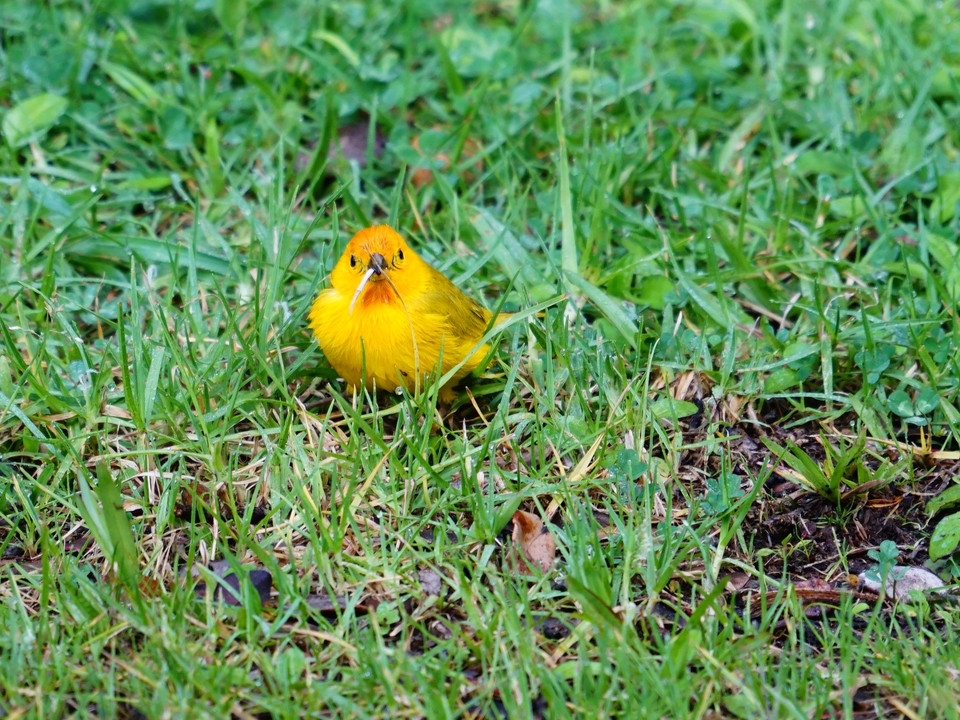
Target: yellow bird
column 388, row 317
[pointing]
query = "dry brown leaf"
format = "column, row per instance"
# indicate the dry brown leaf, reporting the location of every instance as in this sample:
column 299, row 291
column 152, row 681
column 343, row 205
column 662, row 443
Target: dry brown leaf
column 536, row 544
column 117, row 412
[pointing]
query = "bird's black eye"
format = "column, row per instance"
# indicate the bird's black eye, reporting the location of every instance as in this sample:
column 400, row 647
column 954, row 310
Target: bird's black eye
column 399, row 254
column 353, row 261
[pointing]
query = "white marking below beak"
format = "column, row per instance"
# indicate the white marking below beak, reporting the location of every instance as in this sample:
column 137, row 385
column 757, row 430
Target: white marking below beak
column 360, row 287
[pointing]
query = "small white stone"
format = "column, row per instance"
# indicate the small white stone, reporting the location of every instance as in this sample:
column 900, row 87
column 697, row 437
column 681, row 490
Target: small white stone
column 902, row 580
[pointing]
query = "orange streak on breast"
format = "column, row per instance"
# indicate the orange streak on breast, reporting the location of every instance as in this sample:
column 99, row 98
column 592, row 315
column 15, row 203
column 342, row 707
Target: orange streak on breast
column 376, row 292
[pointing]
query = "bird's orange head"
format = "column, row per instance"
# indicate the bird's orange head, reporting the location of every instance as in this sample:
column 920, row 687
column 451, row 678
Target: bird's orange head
column 377, row 267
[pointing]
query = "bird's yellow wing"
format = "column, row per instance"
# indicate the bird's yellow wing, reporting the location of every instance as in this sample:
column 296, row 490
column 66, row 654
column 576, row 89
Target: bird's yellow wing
column 462, row 317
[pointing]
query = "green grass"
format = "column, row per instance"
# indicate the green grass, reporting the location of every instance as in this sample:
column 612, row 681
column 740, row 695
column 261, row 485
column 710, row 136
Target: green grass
column 740, row 222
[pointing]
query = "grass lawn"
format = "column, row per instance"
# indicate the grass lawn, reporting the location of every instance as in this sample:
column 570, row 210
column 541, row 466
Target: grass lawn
column 729, row 230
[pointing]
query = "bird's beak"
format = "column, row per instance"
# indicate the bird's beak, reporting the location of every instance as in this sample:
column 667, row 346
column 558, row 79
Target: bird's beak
column 378, row 263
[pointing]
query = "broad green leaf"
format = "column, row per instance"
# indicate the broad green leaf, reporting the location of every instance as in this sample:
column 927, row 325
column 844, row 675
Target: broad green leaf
column 824, row 161
column 950, row 496
column 232, row 15
column 901, row 404
column 653, row 291
column 848, row 206
column 779, row 380
column 30, row 118
column 672, row 408
column 627, row 465
column 147, row 182
column 927, row 401
column 945, row 536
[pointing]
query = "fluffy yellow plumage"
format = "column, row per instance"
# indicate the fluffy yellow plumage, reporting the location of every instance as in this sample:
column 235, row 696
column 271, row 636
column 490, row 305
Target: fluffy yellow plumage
column 387, row 314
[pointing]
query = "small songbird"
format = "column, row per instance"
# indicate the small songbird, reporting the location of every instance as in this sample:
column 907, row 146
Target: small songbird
column 388, row 317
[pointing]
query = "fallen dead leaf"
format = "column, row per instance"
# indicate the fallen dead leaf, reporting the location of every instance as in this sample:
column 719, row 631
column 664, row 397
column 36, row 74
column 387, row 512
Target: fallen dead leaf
column 536, row 544
column 117, row 412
